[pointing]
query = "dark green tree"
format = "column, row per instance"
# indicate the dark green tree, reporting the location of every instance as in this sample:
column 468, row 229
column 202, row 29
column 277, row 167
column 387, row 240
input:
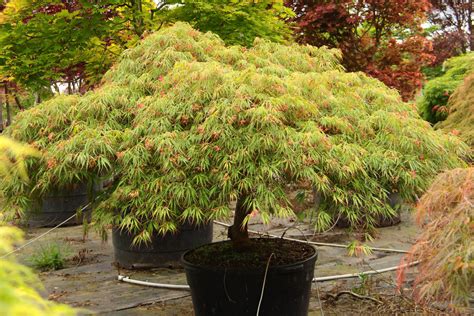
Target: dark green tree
column 236, row 22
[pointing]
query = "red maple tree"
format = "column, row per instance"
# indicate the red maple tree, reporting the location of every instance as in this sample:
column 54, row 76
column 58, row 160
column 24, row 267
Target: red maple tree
column 382, row 38
column 455, row 28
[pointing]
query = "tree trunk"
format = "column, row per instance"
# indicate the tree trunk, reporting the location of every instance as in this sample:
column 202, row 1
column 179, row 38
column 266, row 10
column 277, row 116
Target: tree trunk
column 18, row 103
column 56, row 87
column 37, row 98
column 238, row 232
column 1, row 115
column 470, row 25
column 7, row 105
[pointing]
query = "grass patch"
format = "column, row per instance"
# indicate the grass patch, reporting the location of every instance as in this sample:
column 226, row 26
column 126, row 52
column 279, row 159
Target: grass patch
column 50, row 257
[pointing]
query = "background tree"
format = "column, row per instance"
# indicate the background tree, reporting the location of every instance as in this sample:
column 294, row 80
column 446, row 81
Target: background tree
column 236, row 22
column 454, row 34
column 460, row 120
column 68, row 45
column 381, row 38
column 46, row 43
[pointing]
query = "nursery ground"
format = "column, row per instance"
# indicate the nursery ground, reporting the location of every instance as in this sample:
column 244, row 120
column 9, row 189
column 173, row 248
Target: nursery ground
column 89, row 279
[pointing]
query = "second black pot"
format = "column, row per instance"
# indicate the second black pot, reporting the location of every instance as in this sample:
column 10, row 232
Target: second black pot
column 217, row 291
column 59, row 205
column 162, row 251
column 394, row 200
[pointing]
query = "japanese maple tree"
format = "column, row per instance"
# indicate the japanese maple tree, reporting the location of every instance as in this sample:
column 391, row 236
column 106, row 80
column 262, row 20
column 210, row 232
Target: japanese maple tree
column 381, row 38
column 187, row 125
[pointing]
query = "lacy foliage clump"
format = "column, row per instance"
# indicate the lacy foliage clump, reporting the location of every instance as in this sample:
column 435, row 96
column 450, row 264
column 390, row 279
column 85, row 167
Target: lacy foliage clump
column 436, row 93
column 446, row 245
column 186, row 124
column 460, row 120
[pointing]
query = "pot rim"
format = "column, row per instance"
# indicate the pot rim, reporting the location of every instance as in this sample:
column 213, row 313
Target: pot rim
column 191, row 265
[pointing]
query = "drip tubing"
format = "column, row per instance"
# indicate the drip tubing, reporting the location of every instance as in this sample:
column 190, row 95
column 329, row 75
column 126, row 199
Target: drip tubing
column 316, row 279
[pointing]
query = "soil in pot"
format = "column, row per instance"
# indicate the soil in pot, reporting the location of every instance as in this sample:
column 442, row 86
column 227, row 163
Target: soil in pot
column 226, row 282
column 163, row 250
column 59, row 205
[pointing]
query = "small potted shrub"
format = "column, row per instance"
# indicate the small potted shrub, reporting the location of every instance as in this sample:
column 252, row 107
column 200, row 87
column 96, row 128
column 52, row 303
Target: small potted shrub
column 218, row 125
column 61, row 183
column 79, row 138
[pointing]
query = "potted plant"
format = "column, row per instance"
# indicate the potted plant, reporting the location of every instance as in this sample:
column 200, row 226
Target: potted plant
column 224, row 124
column 66, row 176
column 79, row 138
column 197, row 125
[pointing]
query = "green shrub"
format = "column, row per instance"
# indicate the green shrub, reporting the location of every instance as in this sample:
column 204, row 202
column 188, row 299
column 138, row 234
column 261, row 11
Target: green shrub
column 186, row 125
column 436, row 92
column 49, row 257
column 461, row 112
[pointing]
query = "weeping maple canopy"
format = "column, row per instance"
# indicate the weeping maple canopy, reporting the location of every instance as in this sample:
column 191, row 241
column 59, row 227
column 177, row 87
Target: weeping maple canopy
column 187, row 125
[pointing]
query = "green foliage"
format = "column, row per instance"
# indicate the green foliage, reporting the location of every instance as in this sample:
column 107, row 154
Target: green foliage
column 49, row 257
column 187, row 125
column 38, row 48
column 18, row 284
column 236, row 22
column 45, row 42
column 12, row 157
column 355, row 248
column 460, row 120
column 433, row 71
column 446, row 244
column 432, row 104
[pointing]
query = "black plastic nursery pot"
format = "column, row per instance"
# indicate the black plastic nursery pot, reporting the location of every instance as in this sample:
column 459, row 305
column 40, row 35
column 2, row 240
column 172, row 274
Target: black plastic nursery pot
column 237, row 291
column 59, row 205
column 394, row 200
column 163, row 250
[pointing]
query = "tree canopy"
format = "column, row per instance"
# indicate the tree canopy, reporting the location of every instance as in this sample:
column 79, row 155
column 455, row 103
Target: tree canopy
column 186, row 125
column 48, row 42
column 454, row 33
column 236, row 22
